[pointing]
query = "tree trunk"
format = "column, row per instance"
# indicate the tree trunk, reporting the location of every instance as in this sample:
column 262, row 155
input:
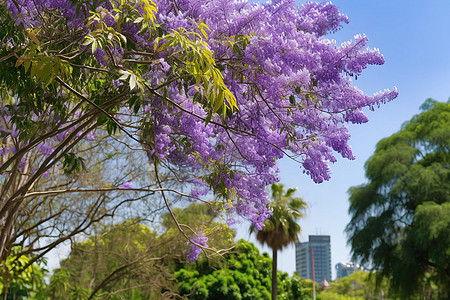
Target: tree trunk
column 8, row 217
column 274, row 274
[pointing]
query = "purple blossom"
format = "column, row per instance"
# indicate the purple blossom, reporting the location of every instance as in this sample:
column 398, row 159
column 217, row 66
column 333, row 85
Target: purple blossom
column 127, row 185
column 101, row 56
column 164, row 65
column 320, row 18
column 300, row 101
column 90, row 136
column 195, row 250
column 23, row 163
column 117, row 83
column 14, row 131
column 199, row 188
column 46, row 148
column 4, row 151
column 148, row 108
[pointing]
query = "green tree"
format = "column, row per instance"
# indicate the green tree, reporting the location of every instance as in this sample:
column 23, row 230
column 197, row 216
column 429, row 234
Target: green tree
column 244, row 275
column 122, row 261
column 281, row 229
column 292, row 288
column 130, row 261
column 401, row 219
column 19, row 279
column 307, row 291
column 199, row 217
column 359, row 285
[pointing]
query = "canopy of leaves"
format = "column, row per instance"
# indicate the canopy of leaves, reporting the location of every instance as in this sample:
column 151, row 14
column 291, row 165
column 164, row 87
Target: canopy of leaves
column 400, row 219
column 17, row 282
column 245, row 274
column 125, row 260
column 359, row 285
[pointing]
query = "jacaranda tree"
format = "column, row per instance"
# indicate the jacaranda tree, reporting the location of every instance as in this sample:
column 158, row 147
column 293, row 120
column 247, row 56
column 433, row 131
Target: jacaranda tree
column 213, row 93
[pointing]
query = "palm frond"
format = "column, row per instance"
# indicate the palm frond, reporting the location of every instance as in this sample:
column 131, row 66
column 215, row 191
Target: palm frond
column 281, row 228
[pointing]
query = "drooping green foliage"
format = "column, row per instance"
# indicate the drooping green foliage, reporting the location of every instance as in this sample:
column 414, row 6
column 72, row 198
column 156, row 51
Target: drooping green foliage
column 400, row 219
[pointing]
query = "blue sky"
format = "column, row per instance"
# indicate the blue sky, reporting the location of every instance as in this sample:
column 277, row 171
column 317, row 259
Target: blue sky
column 414, row 37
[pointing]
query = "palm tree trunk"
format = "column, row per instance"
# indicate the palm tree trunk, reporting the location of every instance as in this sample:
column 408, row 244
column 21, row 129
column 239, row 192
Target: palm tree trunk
column 274, row 274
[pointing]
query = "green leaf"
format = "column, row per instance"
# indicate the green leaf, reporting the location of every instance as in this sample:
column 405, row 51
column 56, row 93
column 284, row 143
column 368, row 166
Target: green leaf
column 292, row 99
column 132, row 81
column 208, row 119
column 94, row 46
column 124, row 76
column 88, row 40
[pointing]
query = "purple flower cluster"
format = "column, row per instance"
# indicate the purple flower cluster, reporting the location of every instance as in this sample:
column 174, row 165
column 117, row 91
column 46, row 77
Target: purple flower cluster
column 29, row 13
column 127, row 185
column 46, row 123
column 199, row 239
column 321, row 18
column 293, row 88
column 287, row 58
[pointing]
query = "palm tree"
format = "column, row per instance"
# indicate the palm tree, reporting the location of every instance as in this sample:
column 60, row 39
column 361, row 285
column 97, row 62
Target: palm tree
column 281, row 228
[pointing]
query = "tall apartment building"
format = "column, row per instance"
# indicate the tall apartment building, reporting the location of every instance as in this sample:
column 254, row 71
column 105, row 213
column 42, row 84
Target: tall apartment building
column 322, row 258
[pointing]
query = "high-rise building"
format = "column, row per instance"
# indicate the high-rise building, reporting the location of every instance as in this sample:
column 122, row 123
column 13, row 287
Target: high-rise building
column 343, row 269
column 322, row 258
